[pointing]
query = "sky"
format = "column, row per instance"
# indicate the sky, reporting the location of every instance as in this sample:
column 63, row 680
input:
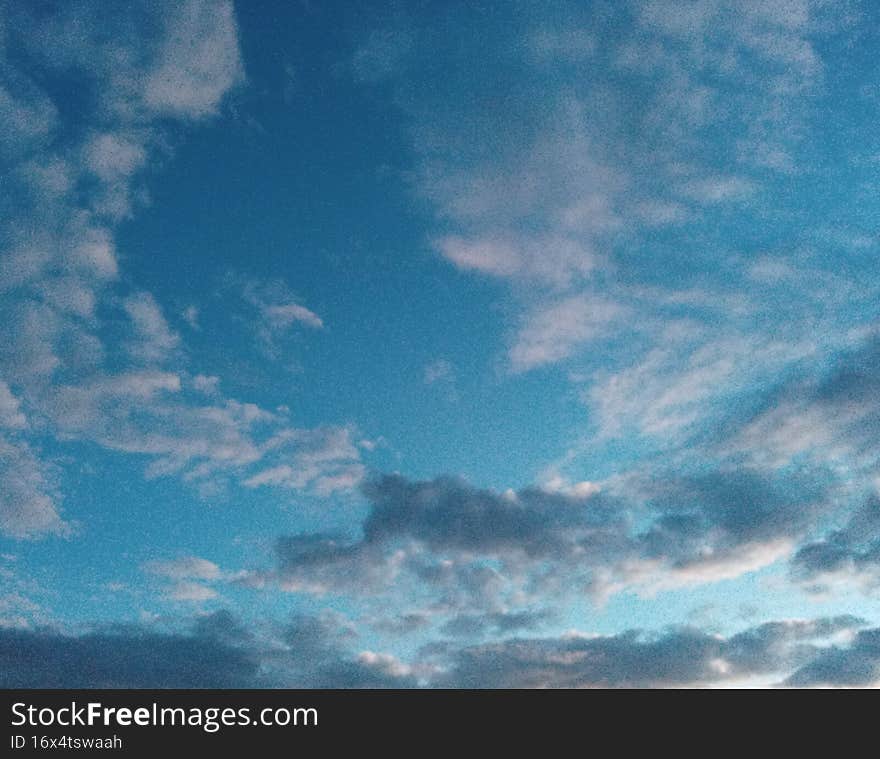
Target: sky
column 439, row 344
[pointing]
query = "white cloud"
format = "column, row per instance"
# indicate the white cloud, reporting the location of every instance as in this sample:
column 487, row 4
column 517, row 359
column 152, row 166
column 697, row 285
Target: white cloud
column 29, row 333
column 11, row 415
column 552, row 332
column 323, row 461
column 184, row 568
column 140, row 67
column 555, row 260
column 194, row 592
column 191, row 316
column 206, row 384
column 549, row 45
column 381, row 54
column 152, row 413
column 28, row 115
column 647, row 579
column 93, row 251
column 277, row 310
column 440, row 370
column 718, row 189
column 282, row 315
column 28, row 505
column 198, row 61
column 154, row 340
column 680, row 382
column 112, row 156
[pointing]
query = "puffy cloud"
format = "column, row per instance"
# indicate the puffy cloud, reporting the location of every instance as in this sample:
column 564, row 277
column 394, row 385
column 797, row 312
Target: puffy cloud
column 477, row 550
column 217, row 651
column 678, row 657
column 854, row 665
column 851, row 553
column 189, row 575
column 447, row 514
column 198, row 60
column 320, row 652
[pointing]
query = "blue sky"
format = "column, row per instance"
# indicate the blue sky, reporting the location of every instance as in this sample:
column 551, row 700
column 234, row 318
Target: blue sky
column 439, row 344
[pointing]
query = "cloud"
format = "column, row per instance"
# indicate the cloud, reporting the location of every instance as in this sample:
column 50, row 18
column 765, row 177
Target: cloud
column 439, row 371
column 324, row 460
column 827, row 416
column 150, row 412
column 853, row 665
column 283, row 315
column 215, row 650
column 71, row 180
column 114, row 159
column 134, row 658
column 197, row 63
column 673, row 390
column 595, row 128
column 496, row 623
column 550, row 259
column 17, row 611
column 28, row 113
column 553, row 331
column 320, row 651
column 154, row 340
column 28, row 497
column 632, row 659
column 381, row 54
column 718, row 189
column 480, row 551
column 194, row 592
column 184, row 568
column 191, row 316
column 850, row 554
column 276, row 311
column 11, row 415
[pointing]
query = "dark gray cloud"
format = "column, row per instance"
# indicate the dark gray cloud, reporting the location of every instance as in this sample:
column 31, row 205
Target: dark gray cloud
column 322, row 651
column 857, row 664
column 852, row 550
column 497, row 623
column 476, row 549
column 122, row 659
column 678, row 657
column 219, row 651
column 449, row 514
